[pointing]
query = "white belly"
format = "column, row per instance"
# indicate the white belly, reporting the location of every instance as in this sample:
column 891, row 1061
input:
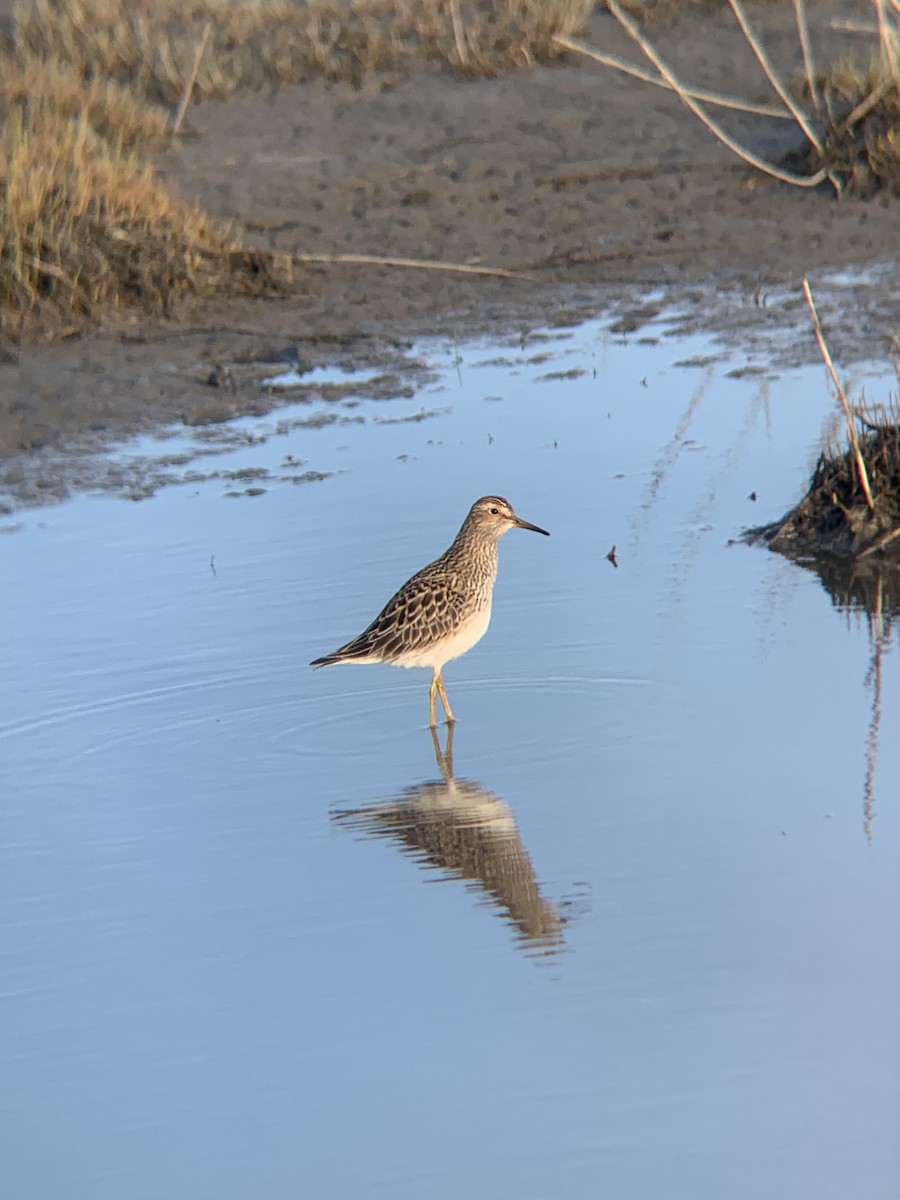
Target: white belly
column 471, row 630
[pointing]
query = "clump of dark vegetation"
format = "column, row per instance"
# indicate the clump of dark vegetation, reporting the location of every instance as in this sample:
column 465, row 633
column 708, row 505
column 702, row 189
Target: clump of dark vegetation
column 851, row 510
column 834, row 517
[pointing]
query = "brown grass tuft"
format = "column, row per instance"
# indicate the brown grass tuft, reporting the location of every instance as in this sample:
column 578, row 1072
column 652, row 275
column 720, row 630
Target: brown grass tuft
column 861, row 129
column 86, row 228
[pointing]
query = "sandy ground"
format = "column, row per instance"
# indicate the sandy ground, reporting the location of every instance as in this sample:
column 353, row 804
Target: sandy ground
column 601, row 190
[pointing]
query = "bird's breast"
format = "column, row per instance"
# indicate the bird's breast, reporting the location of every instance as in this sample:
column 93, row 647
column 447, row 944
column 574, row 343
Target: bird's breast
column 457, row 641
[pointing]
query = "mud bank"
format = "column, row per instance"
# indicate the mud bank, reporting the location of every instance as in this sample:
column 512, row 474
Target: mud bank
column 602, row 193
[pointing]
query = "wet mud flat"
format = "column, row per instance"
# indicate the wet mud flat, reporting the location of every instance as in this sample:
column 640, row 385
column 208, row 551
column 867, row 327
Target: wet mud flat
column 600, row 193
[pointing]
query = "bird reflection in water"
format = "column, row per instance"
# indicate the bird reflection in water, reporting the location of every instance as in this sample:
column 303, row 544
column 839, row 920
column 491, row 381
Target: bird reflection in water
column 458, row 827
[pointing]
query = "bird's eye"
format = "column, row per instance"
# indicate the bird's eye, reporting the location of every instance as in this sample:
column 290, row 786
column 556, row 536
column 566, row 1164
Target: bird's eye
column 495, row 512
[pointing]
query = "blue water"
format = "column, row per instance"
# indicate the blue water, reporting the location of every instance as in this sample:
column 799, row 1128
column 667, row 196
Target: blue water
column 638, row 939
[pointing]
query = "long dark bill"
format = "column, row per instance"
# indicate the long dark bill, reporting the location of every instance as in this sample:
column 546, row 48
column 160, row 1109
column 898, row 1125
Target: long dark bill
column 520, row 524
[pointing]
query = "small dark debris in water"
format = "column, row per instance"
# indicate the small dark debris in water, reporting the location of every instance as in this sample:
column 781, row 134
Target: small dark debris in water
column 413, row 418
column 629, row 321
column 752, row 497
column 745, row 372
column 307, row 477
column 212, row 564
column 611, row 557
column 564, row 319
column 699, row 360
column 248, row 473
column 490, row 439
column 644, row 382
column 555, row 376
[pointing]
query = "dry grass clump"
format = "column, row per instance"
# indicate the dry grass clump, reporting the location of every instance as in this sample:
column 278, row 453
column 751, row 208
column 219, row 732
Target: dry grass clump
column 112, row 110
column 85, row 228
column 150, row 46
column 861, row 129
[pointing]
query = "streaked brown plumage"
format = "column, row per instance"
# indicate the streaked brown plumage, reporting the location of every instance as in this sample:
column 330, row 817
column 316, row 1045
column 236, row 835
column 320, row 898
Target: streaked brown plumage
column 444, row 609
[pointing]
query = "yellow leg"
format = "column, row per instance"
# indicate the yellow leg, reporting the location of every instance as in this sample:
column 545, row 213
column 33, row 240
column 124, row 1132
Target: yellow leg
column 444, row 700
column 432, row 691
column 443, row 758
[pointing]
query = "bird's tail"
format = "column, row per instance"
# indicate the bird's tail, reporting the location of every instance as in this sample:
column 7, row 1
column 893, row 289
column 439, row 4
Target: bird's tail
column 327, row 660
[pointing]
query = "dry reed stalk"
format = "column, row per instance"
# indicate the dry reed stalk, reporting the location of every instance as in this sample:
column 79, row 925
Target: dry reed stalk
column 763, row 59
column 425, row 264
column 880, row 542
column 809, row 65
column 459, row 33
column 887, row 39
column 612, row 60
column 865, row 106
column 747, row 155
column 192, row 78
column 848, row 412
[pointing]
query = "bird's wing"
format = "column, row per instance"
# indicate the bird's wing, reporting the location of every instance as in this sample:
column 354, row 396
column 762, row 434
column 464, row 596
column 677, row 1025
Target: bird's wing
column 427, row 607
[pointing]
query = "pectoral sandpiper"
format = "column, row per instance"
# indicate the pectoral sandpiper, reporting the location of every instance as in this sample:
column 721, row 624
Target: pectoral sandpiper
column 444, row 609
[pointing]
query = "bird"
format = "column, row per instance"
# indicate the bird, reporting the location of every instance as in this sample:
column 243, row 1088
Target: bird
column 444, row 609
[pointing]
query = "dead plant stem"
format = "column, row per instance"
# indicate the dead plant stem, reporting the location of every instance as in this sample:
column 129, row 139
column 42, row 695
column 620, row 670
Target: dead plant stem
column 192, row 78
column 785, row 97
column 848, row 412
column 809, row 65
column 459, row 33
column 424, row 264
column 612, row 60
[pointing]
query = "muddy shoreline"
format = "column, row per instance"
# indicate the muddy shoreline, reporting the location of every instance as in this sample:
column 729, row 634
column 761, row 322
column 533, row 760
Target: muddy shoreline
column 605, row 193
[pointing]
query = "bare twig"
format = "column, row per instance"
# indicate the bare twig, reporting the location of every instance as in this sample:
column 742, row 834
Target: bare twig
column 192, row 78
column 865, row 106
column 785, row 97
column 747, row 155
column 459, row 33
column 880, row 542
column 809, row 65
column 852, row 26
column 848, row 413
column 887, row 38
column 620, row 64
column 425, row 264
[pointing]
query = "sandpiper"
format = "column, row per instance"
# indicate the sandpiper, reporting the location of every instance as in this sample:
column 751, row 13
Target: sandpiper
column 444, row 609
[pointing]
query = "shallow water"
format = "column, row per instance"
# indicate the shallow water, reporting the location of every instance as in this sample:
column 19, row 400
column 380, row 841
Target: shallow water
column 661, row 958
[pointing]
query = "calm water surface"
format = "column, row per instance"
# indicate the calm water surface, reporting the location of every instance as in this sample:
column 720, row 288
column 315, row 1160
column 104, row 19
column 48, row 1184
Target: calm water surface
column 633, row 934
